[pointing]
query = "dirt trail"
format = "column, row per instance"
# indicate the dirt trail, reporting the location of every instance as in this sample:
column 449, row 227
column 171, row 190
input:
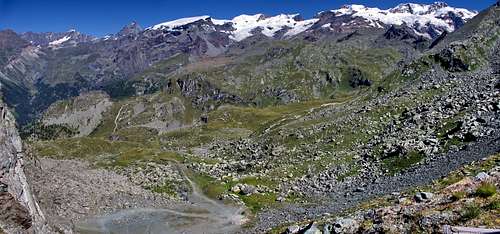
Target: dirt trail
column 200, row 215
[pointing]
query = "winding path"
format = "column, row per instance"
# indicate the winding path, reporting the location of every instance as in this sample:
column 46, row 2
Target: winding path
column 200, row 215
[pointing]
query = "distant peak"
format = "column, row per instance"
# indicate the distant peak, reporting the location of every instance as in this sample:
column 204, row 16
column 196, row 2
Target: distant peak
column 132, row 24
column 179, row 22
column 131, row 29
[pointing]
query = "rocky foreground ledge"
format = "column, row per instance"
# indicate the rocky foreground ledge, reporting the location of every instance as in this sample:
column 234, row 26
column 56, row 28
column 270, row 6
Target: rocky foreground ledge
column 466, row 197
column 19, row 210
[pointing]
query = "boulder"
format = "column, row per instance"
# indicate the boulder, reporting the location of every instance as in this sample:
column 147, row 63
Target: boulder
column 345, row 225
column 482, row 176
column 244, row 189
column 451, row 58
column 311, row 229
column 423, row 196
column 292, row 229
column 327, row 229
column 248, row 189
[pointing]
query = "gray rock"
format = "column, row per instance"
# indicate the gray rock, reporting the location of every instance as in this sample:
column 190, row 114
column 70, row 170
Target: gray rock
column 327, row 228
column 423, row 196
column 248, row 189
column 482, row 176
column 311, row 229
column 359, row 190
column 244, row 189
column 3, row 188
column 292, row 229
column 345, row 225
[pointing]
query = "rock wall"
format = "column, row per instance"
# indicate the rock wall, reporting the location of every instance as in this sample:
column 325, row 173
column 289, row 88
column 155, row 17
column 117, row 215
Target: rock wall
column 19, row 210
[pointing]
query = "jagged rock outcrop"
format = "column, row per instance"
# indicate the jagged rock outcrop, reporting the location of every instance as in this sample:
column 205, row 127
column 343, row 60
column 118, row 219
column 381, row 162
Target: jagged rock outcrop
column 19, row 210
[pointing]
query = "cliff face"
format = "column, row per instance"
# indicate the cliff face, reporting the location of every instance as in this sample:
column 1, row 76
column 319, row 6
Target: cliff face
column 19, row 211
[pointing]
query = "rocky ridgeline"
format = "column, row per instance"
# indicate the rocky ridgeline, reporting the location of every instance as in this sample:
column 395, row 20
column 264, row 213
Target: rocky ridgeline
column 19, row 210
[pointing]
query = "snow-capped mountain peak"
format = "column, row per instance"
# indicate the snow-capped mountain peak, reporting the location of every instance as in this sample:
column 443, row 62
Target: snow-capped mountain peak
column 429, row 20
column 59, row 41
column 245, row 25
column 438, row 15
column 179, row 22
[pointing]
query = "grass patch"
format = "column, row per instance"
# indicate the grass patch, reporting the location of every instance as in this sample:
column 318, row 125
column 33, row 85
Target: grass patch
column 254, row 118
column 103, row 152
column 486, row 190
column 208, row 185
column 166, row 188
column 458, row 195
column 494, row 205
column 258, row 201
column 470, row 212
column 251, row 180
column 397, row 164
column 213, row 188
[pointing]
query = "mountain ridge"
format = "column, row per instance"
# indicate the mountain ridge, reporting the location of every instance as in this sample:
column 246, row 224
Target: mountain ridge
column 429, row 20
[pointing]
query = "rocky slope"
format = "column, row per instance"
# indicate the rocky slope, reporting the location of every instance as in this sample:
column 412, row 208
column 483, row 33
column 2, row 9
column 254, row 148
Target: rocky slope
column 19, row 208
column 466, row 197
column 83, row 113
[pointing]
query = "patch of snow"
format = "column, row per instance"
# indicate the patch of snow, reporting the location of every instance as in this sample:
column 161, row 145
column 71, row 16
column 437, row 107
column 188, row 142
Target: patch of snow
column 245, row 24
column 59, row 41
column 414, row 15
column 301, row 26
column 179, row 22
column 220, row 22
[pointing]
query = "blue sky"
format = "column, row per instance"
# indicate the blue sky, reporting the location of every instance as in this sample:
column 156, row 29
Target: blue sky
column 101, row 17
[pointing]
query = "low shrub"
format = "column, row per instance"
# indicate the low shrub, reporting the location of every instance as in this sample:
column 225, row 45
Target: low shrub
column 470, row 212
column 486, row 190
column 458, row 195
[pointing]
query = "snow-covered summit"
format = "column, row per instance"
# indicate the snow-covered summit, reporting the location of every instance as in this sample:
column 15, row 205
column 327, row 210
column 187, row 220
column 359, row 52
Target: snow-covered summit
column 60, row 41
column 428, row 20
column 438, row 15
column 245, row 24
column 179, row 22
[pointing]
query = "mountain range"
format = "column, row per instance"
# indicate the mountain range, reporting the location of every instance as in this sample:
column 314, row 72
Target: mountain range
column 358, row 120
column 43, row 63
